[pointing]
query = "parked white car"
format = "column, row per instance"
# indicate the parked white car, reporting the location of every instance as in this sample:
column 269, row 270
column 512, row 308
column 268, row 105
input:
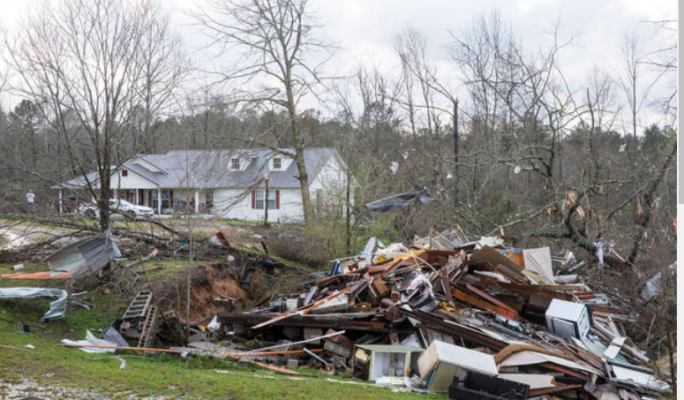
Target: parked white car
column 117, row 206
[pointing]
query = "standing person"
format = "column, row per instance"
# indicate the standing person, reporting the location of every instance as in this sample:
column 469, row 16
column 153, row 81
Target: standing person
column 30, row 199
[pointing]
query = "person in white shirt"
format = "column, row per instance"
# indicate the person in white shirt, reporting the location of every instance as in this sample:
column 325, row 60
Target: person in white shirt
column 31, row 199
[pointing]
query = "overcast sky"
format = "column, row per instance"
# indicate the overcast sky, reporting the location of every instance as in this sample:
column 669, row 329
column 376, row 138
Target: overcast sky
column 364, row 28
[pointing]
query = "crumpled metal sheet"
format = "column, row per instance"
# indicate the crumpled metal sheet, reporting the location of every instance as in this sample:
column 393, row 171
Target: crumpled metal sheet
column 57, row 307
column 391, row 203
column 90, row 254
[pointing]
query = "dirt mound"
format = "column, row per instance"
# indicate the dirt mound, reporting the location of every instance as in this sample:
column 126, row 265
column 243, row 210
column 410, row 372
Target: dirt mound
column 210, row 286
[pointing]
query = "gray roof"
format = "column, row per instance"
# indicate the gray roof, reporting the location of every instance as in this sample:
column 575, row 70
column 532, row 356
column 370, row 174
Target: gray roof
column 209, row 168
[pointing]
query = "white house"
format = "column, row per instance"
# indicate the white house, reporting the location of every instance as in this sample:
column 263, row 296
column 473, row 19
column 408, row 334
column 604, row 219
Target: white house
column 228, row 183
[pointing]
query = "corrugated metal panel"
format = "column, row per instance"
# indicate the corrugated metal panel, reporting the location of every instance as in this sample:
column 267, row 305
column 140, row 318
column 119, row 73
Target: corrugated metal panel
column 92, row 253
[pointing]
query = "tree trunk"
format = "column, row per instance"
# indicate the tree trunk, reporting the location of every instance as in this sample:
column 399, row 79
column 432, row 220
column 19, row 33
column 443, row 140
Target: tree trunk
column 456, row 173
column 266, row 202
column 648, row 206
column 299, row 154
column 103, row 201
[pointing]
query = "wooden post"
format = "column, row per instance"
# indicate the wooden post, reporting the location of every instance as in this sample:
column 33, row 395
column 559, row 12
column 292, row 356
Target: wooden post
column 456, row 139
column 61, row 201
column 266, row 200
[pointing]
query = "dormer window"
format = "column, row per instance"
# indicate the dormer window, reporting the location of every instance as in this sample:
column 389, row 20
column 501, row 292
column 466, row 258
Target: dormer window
column 235, row 164
column 277, row 163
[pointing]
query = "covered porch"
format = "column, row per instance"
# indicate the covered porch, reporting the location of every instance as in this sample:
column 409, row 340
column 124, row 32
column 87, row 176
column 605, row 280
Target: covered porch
column 163, row 201
column 169, row 201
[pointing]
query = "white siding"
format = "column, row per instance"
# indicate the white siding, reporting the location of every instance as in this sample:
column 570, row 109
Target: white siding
column 290, row 205
column 330, row 185
column 132, row 181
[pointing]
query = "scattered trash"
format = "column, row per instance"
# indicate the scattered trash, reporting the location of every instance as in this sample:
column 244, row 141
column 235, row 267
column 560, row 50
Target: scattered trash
column 30, row 346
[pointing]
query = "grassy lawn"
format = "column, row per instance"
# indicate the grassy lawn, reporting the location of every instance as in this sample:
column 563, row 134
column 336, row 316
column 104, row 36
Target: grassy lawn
column 161, row 375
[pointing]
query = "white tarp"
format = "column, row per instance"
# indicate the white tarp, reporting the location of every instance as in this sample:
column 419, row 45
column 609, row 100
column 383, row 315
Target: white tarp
column 57, row 307
column 91, row 340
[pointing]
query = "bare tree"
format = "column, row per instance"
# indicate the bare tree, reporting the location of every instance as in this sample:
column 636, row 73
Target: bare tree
column 90, row 64
column 276, row 45
column 164, row 67
column 632, row 82
column 437, row 100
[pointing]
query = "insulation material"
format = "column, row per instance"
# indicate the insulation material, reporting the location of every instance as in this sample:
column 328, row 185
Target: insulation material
column 389, row 252
column 57, row 307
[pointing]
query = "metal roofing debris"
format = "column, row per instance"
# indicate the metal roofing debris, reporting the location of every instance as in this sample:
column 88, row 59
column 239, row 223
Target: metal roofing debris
column 57, row 307
column 391, row 203
column 90, row 254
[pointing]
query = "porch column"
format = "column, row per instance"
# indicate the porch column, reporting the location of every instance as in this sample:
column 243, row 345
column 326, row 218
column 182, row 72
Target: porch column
column 116, row 194
column 61, row 201
column 137, row 197
column 159, row 201
column 196, row 202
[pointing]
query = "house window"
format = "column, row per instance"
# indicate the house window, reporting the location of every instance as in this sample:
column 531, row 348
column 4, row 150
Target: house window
column 260, row 194
column 277, row 163
column 235, row 164
column 124, row 172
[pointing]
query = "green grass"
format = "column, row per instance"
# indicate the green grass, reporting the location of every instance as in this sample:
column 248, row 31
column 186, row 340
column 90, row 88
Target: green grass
column 164, row 375
column 161, row 375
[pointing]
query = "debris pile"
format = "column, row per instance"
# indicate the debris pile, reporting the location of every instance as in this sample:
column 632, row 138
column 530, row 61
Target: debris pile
column 474, row 319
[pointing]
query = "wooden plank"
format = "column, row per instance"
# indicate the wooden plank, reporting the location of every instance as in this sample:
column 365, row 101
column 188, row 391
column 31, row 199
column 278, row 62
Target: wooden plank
column 485, row 305
column 564, row 370
column 489, row 298
column 446, row 284
column 557, row 389
column 303, row 309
